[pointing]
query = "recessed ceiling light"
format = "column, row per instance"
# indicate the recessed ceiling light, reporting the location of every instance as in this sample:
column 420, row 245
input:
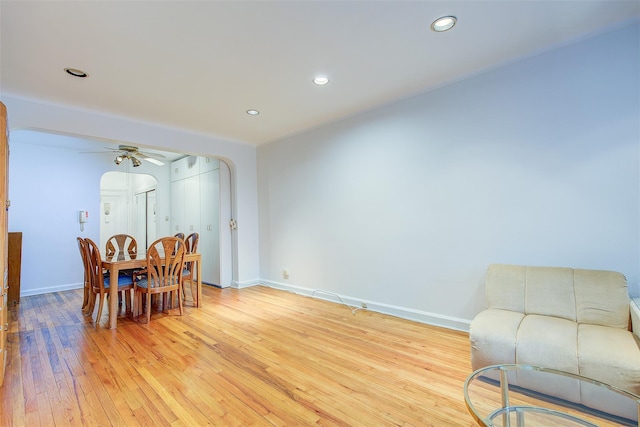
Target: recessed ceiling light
column 321, row 80
column 443, row 24
column 75, row 72
column 253, row 112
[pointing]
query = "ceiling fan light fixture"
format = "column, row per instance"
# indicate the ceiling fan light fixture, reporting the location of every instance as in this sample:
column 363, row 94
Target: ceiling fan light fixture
column 136, row 157
column 444, row 23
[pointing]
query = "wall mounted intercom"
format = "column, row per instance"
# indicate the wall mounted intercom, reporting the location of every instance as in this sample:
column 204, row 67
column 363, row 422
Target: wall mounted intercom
column 83, row 217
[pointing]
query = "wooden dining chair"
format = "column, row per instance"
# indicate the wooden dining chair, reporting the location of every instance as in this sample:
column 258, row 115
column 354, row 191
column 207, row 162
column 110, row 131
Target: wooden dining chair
column 119, row 243
column 88, row 295
column 100, row 284
column 179, row 235
column 191, row 246
column 163, row 274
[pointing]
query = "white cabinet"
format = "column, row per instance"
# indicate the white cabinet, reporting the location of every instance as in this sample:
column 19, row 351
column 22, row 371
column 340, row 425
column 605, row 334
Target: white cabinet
column 208, row 165
column 195, row 208
column 192, row 200
column 177, row 206
column 185, row 167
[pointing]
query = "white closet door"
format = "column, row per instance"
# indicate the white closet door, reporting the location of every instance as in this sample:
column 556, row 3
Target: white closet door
column 209, row 245
column 117, row 222
column 152, row 234
column 140, row 230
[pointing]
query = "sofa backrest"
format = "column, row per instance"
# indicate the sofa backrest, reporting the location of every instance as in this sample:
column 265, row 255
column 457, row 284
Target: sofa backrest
column 584, row 296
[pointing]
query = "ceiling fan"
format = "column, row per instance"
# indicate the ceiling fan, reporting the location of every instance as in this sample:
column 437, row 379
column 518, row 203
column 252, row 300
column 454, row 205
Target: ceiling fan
column 124, row 152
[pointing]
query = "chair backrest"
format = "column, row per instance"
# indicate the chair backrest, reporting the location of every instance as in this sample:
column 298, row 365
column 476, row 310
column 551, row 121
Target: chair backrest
column 82, row 246
column 95, row 265
column 192, row 243
column 165, row 261
column 179, row 235
column 118, row 243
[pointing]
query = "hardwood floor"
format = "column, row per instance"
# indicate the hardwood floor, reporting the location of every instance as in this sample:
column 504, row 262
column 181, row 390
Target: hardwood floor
column 250, row 357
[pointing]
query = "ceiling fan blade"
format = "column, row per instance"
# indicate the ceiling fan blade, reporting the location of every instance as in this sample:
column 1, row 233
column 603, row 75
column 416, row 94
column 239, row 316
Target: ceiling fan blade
column 150, row 159
column 153, row 155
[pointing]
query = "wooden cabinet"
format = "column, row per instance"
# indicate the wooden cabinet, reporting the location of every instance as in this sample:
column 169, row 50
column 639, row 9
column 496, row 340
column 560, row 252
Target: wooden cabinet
column 4, row 315
column 195, row 207
column 15, row 267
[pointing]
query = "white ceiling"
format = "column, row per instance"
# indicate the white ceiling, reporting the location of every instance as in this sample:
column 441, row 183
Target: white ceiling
column 200, row 65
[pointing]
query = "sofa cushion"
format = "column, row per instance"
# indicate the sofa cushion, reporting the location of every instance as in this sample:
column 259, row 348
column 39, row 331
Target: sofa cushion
column 549, row 342
column 549, row 291
column 505, row 287
column 609, row 355
column 602, row 298
column 493, row 337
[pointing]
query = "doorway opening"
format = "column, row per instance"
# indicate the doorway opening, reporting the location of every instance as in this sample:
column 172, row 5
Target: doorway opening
column 128, row 206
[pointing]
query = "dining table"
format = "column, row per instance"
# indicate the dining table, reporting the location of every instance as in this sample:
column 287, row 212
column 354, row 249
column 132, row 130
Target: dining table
column 126, row 261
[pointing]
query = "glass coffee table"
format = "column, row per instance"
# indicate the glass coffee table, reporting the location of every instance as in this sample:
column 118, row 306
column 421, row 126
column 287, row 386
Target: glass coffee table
column 524, row 395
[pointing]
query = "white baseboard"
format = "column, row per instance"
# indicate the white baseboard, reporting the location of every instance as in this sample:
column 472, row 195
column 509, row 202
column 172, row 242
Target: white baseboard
column 245, row 284
column 50, row 289
column 402, row 312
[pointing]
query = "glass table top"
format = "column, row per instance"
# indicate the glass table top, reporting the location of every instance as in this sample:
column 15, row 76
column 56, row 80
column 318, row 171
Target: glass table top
column 525, row 395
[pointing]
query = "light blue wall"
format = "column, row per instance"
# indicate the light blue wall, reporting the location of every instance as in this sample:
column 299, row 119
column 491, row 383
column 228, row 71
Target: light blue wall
column 535, row 163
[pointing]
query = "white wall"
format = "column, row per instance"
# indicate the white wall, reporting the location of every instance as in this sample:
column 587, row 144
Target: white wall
column 404, row 207
column 32, row 114
column 47, row 187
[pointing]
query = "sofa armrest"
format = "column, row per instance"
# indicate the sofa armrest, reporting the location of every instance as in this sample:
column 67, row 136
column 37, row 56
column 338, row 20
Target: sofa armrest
column 634, row 310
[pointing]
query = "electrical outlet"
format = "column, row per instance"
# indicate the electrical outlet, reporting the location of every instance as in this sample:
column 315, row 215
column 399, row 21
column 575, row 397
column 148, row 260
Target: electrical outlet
column 364, row 305
column 285, row 274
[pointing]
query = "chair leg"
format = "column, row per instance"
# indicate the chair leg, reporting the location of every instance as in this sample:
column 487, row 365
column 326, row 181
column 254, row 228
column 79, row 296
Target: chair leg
column 134, row 303
column 149, row 308
column 137, row 302
column 85, row 300
column 180, row 299
column 91, row 303
column 194, row 296
column 88, row 310
column 128, row 298
column 97, row 321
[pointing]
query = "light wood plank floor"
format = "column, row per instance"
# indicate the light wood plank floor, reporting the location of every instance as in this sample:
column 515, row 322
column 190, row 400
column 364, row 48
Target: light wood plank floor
column 250, row 357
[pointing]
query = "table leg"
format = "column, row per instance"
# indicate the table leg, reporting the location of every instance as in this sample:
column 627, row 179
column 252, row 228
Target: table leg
column 113, row 296
column 199, row 282
column 504, row 391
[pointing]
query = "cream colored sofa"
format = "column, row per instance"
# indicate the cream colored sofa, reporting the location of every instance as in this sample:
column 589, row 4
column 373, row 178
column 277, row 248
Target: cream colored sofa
column 578, row 321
